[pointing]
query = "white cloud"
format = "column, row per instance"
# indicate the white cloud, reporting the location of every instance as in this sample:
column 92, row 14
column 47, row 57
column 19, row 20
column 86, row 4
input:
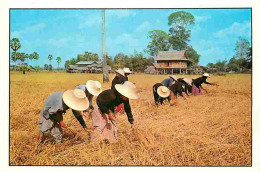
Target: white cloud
column 120, row 13
column 236, row 29
column 202, row 18
column 143, row 26
column 91, row 20
column 127, row 40
column 33, row 28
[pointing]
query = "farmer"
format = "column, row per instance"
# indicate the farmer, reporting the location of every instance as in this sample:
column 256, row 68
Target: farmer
column 196, row 86
column 160, row 92
column 91, row 89
column 177, row 89
column 168, row 82
column 119, row 78
column 187, row 83
column 103, row 119
column 127, row 72
column 51, row 117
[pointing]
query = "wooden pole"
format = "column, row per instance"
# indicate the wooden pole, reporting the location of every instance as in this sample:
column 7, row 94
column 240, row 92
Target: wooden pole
column 105, row 72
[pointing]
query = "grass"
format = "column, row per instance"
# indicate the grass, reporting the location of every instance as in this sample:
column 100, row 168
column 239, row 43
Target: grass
column 209, row 130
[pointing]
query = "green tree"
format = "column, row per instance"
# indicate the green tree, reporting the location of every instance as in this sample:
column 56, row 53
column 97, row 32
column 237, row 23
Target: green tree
column 192, row 54
column 159, row 42
column 70, row 62
column 14, row 57
column 15, row 45
column 242, row 48
column 121, row 60
column 27, row 57
column 181, row 18
column 58, row 61
column 50, row 57
column 179, row 32
column 46, row 66
column 35, row 56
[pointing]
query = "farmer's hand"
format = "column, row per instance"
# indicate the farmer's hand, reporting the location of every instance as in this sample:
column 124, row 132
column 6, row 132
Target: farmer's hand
column 111, row 117
column 62, row 124
column 91, row 107
column 131, row 120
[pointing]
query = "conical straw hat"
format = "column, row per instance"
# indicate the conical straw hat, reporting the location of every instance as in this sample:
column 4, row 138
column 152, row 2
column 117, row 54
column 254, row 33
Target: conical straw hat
column 188, row 80
column 120, row 71
column 93, row 87
column 76, row 99
column 205, row 74
column 128, row 89
column 174, row 77
column 127, row 70
column 163, row 91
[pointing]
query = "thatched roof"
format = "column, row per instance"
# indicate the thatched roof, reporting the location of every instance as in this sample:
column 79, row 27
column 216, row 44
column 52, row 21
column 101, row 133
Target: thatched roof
column 85, row 62
column 171, row 55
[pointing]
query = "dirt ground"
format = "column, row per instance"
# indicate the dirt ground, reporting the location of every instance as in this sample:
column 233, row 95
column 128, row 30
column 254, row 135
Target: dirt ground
column 209, row 130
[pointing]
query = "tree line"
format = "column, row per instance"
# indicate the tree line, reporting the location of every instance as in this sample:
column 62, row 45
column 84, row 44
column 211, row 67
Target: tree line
column 136, row 61
column 15, row 45
column 240, row 62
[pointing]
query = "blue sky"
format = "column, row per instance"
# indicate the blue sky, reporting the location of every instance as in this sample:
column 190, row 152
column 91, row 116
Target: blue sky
column 69, row 32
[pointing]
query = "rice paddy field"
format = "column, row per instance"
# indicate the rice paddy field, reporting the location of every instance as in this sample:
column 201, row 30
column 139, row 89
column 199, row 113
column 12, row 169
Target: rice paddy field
column 209, row 130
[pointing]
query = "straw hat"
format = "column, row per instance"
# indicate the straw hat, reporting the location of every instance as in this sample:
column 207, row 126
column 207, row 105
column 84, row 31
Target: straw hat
column 76, row 99
column 127, row 70
column 163, row 91
column 205, row 74
column 93, row 87
column 128, row 89
column 174, row 77
column 120, row 71
column 188, row 80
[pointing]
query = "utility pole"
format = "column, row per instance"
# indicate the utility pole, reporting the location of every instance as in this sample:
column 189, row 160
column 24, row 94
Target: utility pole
column 105, row 72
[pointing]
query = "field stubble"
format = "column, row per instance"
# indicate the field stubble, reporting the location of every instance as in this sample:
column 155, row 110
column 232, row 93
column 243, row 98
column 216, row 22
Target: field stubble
column 209, row 130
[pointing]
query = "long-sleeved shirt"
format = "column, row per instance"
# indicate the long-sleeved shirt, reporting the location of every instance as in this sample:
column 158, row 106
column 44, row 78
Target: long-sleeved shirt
column 54, row 104
column 89, row 96
column 118, row 80
column 197, row 82
column 109, row 99
column 177, row 88
column 167, row 82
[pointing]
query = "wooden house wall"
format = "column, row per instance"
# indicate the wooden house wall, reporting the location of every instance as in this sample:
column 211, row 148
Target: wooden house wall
column 173, row 64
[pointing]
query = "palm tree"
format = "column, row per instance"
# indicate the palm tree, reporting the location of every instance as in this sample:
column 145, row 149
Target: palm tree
column 58, row 61
column 31, row 57
column 50, row 57
column 27, row 57
column 35, row 56
column 105, row 72
column 15, row 45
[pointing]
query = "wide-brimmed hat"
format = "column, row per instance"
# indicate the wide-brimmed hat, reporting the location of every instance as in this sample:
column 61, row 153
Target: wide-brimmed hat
column 187, row 80
column 163, row 91
column 93, row 87
column 76, row 99
column 205, row 74
column 174, row 77
column 128, row 89
column 120, row 71
column 127, row 70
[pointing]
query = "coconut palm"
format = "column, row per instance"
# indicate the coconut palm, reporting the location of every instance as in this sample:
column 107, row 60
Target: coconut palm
column 50, row 57
column 15, row 45
column 58, row 61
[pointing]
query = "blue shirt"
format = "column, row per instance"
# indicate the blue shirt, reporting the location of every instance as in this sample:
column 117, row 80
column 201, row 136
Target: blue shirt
column 53, row 104
column 167, row 82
